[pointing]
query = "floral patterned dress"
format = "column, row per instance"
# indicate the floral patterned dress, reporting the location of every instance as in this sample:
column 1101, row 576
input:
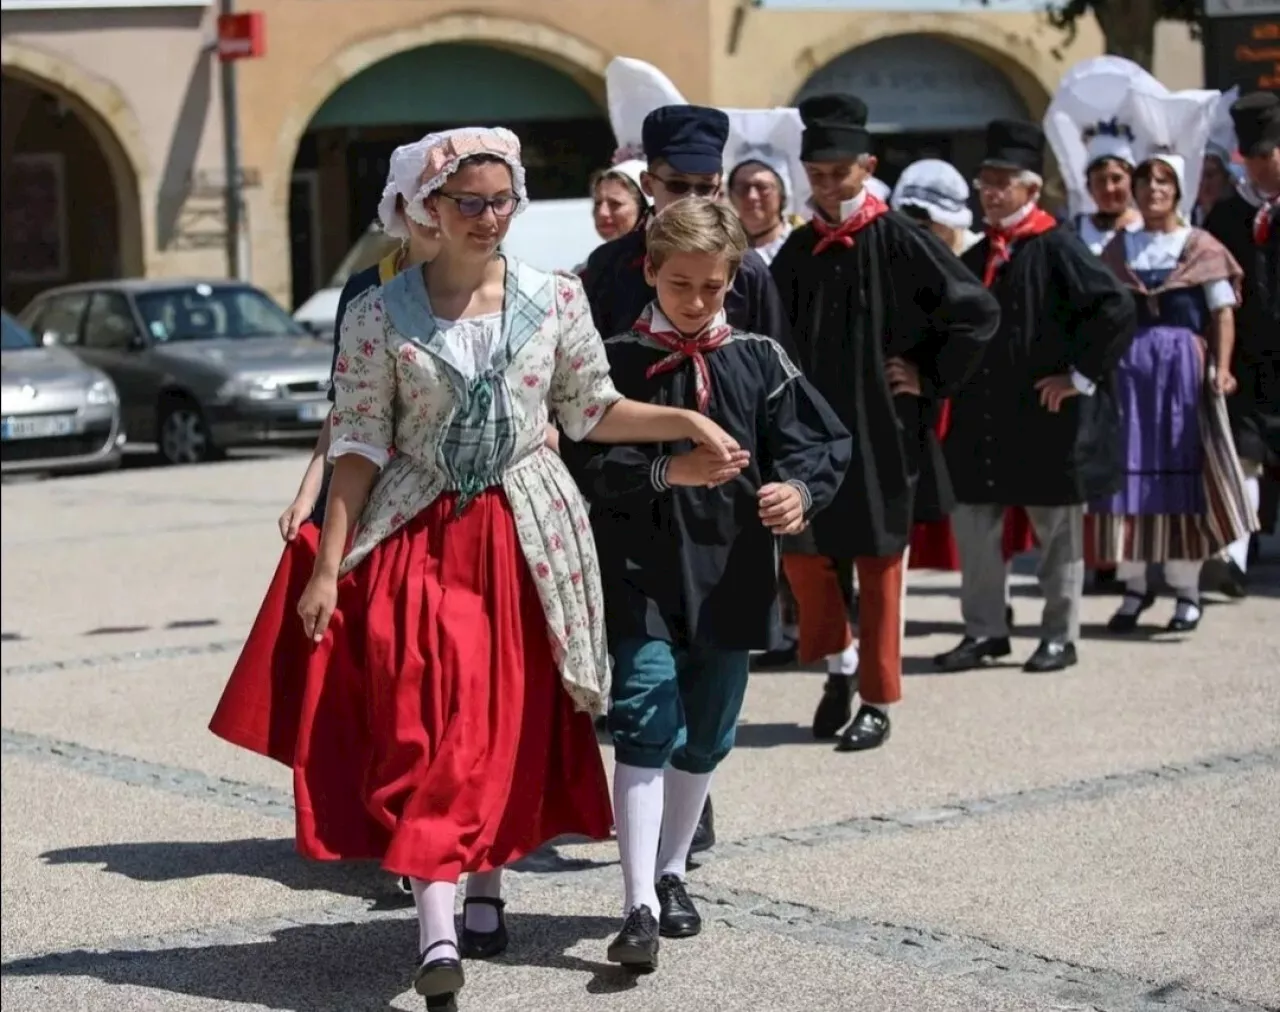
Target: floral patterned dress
column 445, row 722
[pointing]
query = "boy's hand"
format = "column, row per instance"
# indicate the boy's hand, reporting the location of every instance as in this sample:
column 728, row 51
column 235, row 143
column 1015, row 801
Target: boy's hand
column 782, row 508
column 706, row 467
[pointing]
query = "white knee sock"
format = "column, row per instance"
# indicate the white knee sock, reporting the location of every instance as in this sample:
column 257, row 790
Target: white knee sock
column 1134, row 577
column 686, row 793
column 1239, row 550
column 481, row 916
column 1184, row 578
column 845, row 662
column 434, row 901
column 637, row 812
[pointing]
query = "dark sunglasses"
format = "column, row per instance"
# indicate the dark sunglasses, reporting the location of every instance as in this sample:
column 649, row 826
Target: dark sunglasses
column 679, row 187
column 471, row 206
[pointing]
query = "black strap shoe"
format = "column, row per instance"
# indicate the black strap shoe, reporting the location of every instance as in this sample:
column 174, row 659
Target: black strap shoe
column 1179, row 624
column 439, row 978
column 835, row 708
column 973, row 652
column 870, row 729
column 1051, row 655
column 636, row 947
column 1126, row 619
column 704, row 837
column 483, row 944
column 677, row 916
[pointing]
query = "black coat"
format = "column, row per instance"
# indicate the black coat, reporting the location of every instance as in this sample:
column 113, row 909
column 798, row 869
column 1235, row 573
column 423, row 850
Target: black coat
column 897, row 292
column 1255, row 407
column 1060, row 308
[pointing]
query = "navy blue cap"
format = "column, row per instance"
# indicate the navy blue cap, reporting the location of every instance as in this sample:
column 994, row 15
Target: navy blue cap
column 689, row 138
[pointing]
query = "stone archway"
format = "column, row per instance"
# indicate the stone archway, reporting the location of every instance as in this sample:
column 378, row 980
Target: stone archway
column 106, row 116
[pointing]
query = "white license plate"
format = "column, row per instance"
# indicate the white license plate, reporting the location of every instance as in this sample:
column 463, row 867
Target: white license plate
column 313, row 411
column 38, row 427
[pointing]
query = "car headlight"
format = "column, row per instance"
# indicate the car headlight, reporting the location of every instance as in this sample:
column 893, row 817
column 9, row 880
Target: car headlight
column 102, row 391
column 256, row 388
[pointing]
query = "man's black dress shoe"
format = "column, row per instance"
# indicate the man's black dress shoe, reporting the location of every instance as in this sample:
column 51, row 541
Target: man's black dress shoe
column 1223, row 576
column 483, row 944
column 1051, row 655
column 973, row 652
column 1182, row 625
column 835, row 708
column 439, row 978
column 704, row 837
column 781, row 657
column 636, row 947
column 870, row 729
column 677, row 916
column 1127, row 621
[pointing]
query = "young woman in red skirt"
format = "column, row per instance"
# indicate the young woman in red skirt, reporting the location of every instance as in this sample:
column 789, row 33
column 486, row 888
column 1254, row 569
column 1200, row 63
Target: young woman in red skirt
column 456, row 632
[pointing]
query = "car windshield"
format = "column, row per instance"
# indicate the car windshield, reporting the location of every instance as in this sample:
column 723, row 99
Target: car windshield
column 16, row 336
column 208, row 312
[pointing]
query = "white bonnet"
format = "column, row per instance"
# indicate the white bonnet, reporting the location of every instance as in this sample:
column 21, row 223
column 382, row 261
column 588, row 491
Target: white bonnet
column 634, row 89
column 1174, row 128
column 629, row 169
column 772, row 138
column 419, row 169
column 938, row 188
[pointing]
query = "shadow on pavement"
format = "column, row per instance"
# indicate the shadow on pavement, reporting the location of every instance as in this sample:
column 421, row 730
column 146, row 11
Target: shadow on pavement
column 355, row 967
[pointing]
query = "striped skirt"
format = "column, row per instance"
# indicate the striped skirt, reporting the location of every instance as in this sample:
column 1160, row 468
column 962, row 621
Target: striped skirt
column 1228, row 515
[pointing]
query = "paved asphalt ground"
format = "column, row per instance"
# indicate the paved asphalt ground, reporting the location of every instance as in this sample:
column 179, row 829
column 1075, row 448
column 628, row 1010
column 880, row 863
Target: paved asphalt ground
column 1104, row 839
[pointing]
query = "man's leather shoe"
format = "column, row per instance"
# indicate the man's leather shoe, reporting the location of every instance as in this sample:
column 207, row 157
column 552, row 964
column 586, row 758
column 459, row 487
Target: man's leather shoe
column 835, row 708
column 870, row 729
column 1051, row 655
column 704, row 837
column 973, row 652
column 783, row 657
column 677, row 917
column 636, row 946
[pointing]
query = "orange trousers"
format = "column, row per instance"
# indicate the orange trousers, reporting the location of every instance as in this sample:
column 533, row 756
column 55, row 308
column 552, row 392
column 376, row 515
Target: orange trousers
column 823, row 590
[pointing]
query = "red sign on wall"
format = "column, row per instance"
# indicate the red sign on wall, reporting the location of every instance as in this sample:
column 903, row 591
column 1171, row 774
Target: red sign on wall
column 241, row 36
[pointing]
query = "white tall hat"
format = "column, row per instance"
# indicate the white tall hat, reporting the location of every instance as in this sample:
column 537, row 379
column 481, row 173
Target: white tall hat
column 1173, row 127
column 635, row 89
column 1084, row 121
column 770, row 137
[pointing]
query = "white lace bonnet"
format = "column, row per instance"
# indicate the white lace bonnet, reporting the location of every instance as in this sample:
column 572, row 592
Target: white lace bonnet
column 1084, row 122
column 634, row 89
column 1174, row 128
column 770, row 137
column 419, row 169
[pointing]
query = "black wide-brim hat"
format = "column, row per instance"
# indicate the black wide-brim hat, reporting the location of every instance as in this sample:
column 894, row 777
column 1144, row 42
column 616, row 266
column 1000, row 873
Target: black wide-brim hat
column 835, row 128
column 1257, row 120
column 1014, row 144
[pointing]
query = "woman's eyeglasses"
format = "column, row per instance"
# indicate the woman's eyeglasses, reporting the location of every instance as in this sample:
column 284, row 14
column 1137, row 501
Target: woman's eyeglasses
column 681, row 187
column 471, row 206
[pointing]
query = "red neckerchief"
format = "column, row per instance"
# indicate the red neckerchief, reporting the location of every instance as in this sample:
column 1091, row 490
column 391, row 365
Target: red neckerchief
column 829, row 235
column 1262, row 221
column 660, row 330
column 1000, row 240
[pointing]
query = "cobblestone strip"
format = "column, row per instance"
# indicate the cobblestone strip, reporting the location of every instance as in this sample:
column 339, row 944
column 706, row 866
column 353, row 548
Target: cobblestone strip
column 123, row 657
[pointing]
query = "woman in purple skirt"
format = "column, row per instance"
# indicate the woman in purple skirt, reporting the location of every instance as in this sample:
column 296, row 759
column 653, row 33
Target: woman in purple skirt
column 1183, row 497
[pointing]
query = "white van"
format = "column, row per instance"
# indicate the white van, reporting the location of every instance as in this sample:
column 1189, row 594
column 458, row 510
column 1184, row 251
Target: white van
column 550, row 234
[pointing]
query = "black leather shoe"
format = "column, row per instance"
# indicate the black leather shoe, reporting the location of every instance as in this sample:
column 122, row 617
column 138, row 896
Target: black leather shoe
column 636, row 947
column 677, row 916
column 1051, row 655
column 783, row 657
column 973, row 652
column 1183, row 625
column 870, row 729
column 1127, row 621
column 704, row 837
column 439, row 978
column 483, row 944
column 835, row 708
column 443, row 1003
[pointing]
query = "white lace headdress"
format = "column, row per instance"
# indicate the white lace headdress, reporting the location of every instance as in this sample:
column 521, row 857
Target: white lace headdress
column 1084, row 122
column 1174, row 128
column 635, row 89
column 419, row 169
column 771, row 137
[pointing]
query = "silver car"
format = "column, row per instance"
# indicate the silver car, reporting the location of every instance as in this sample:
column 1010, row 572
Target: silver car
column 201, row 366
column 56, row 413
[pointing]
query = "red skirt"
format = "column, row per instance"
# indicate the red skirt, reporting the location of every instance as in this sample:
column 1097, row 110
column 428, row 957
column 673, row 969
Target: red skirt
column 432, row 731
column 933, row 545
